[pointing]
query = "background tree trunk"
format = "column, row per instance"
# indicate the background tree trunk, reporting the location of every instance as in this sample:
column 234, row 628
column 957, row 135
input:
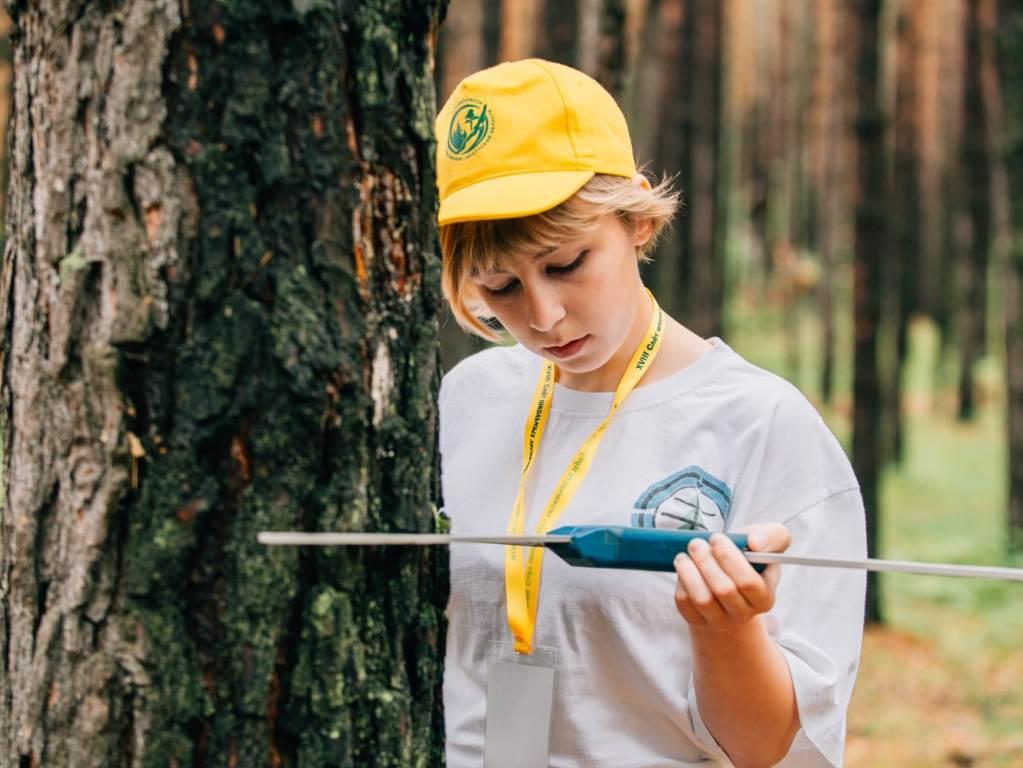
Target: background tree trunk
column 952, row 75
column 461, row 45
column 871, row 217
column 1010, row 61
column 559, row 31
column 218, row 310
column 905, row 244
column 687, row 273
column 602, row 43
column 704, row 280
column 666, row 118
column 976, row 167
column 832, row 131
column 518, row 29
column 461, row 50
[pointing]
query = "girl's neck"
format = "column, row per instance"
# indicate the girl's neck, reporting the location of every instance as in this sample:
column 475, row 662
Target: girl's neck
column 680, row 347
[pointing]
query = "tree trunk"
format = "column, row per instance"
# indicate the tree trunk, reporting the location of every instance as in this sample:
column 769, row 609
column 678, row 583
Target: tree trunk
column 518, row 29
column 643, row 101
column 668, row 120
column 977, row 170
column 871, row 223
column 687, row 271
column 905, row 244
column 6, row 76
column 460, row 45
column 560, row 31
column 705, row 284
column 1014, row 370
column 951, row 69
column 1010, row 62
column 461, row 50
column 218, row 310
column 932, row 117
column 602, row 42
column 832, row 131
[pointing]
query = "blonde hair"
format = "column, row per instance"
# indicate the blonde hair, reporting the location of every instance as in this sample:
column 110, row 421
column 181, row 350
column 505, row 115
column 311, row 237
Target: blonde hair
column 473, row 247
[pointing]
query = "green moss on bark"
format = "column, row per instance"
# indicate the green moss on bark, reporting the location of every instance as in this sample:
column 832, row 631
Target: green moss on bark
column 257, row 405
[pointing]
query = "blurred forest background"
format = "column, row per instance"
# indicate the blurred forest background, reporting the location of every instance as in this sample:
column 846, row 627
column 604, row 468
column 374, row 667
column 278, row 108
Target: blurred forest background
column 848, row 223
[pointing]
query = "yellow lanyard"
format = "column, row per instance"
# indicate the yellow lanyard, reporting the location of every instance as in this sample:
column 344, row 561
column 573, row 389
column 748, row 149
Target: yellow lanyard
column 522, row 581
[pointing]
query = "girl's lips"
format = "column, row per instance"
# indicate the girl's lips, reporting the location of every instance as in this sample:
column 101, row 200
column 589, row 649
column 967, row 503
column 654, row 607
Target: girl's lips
column 567, row 350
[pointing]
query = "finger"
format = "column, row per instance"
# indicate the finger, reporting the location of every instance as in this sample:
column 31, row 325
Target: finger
column 768, row 537
column 684, row 604
column 755, row 590
column 700, row 596
column 771, row 577
column 723, row 589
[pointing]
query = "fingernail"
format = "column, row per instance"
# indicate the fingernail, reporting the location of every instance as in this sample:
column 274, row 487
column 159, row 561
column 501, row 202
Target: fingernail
column 680, row 558
column 697, row 545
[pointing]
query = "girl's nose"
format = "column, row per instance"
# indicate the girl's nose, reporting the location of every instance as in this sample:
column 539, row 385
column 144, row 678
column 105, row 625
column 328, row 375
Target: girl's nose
column 544, row 307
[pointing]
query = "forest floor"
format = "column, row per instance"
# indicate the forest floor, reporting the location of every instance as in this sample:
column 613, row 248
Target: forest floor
column 941, row 681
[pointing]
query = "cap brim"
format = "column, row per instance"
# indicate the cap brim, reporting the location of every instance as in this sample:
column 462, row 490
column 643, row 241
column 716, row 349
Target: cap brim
column 509, row 197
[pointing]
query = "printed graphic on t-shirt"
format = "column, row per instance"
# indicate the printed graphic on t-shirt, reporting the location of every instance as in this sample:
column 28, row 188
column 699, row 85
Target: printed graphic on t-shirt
column 691, row 499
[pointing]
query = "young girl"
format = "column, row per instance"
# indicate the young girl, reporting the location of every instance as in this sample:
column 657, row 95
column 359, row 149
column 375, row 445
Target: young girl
column 607, row 411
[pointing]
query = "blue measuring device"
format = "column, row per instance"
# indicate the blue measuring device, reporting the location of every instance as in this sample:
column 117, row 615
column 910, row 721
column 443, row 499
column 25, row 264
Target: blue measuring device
column 638, row 549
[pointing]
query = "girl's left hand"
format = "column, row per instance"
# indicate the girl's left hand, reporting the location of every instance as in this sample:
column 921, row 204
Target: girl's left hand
column 718, row 587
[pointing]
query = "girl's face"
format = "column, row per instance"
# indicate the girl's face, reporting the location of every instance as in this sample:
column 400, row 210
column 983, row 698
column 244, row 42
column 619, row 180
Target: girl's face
column 576, row 305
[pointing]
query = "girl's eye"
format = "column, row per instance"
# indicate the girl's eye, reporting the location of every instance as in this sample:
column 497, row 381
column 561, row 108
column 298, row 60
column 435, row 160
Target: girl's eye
column 504, row 289
column 560, row 270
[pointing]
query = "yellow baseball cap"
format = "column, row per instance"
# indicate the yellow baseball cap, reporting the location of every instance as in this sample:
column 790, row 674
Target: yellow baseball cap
column 522, row 137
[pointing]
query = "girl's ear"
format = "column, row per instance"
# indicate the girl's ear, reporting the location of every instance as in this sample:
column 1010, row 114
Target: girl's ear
column 642, row 181
column 642, row 232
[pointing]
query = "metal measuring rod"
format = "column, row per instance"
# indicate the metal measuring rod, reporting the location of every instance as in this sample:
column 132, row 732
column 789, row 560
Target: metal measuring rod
column 644, row 549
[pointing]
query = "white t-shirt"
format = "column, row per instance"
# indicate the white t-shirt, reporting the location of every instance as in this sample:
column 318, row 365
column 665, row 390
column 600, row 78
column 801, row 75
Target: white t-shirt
column 720, row 444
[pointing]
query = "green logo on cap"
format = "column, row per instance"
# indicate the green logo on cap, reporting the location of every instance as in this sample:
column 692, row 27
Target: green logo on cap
column 470, row 129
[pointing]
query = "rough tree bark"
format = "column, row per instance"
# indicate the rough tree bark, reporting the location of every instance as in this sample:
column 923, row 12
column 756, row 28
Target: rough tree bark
column 6, row 75
column 217, row 313
column 870, row 231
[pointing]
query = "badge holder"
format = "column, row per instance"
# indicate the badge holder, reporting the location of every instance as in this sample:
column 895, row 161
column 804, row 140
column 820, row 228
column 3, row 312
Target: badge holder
column 520, row 696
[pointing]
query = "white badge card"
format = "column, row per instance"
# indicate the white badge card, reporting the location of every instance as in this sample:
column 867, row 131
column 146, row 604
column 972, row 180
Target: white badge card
column 520, row 695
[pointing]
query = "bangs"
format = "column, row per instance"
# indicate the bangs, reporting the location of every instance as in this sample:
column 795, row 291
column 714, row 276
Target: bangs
column 486, row 245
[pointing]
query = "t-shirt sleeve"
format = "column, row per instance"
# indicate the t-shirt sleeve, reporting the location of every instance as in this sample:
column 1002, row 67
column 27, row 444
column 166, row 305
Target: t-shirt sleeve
column 817, row 623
